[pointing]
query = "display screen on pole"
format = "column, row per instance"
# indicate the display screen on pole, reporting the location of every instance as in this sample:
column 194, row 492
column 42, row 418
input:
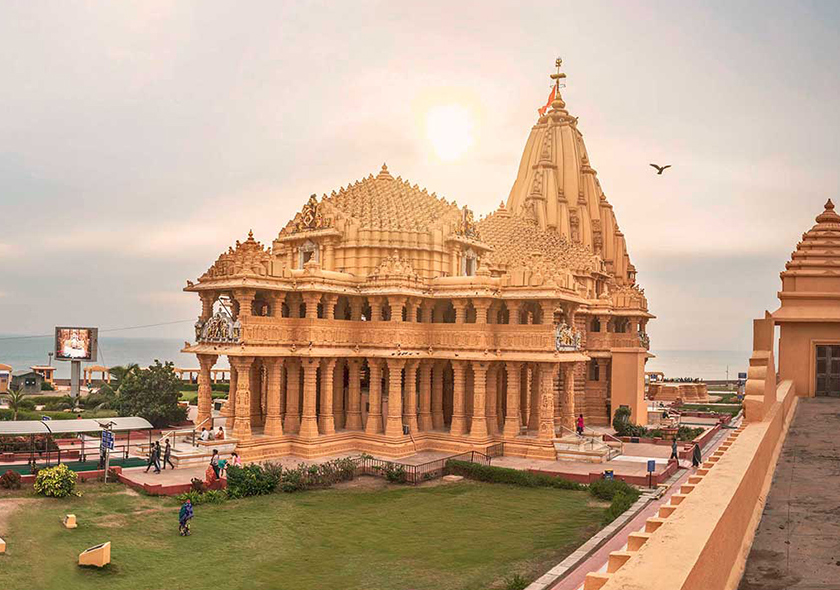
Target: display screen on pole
column 76, row 344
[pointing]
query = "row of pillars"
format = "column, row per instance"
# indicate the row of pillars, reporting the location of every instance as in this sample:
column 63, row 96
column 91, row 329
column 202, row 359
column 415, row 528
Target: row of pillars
column 287, row 411
column 306, row 304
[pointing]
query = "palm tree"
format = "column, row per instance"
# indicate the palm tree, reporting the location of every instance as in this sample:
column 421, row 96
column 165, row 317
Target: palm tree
column 15, row 397
column 119, row 373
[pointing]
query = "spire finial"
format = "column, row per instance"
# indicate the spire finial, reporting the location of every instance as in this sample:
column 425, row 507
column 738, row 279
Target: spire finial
column 558, row 63
column 828, row 216
column 384, row 174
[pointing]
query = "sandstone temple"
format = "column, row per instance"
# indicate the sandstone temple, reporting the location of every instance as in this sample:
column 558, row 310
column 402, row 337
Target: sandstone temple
column 384, row 318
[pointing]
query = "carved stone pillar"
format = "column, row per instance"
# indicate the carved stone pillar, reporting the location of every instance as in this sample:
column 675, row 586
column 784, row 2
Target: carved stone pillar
column 514, row 311
column 568, row 410
column 459, row 422
column 410, row 408
column 396, row 303
column 311, row 300
column 338, row 395
column 426, row 368
column 374, row 418
column 492, row 399
column 546, row 429
column 411, row 305
column 245, row 300
column 534, row 396
column 356, row 305
column 208, row 298
column 478, row 429
column 437, row 314
column 329, row 256
column 205, row 388
column 460, row 306
column 308, row 415
column 293, row 303
column 393, row 426
column 326, row 419
column 513, row 420
column 329, row 306
column 375, row 309
column 273, row 422
column 242, row 419
column 354, row 397
column 437, row 394
column 292, row 421
column 229, row 409
column 547, row 308
column 481, row 307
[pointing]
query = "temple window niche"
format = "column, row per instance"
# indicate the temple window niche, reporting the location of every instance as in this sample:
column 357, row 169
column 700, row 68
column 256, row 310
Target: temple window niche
column 469, row 263
column 307, row 251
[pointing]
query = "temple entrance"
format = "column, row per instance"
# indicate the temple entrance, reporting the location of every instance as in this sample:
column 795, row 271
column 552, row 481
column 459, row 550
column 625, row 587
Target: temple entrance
column 828, row 371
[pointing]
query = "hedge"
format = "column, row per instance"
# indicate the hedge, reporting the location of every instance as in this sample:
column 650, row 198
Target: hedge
column 510, row 476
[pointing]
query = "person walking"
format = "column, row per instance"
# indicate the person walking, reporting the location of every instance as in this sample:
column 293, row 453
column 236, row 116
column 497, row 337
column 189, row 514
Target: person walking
column 580, row 425
column 214, row 462
column 674, row 454
column 184, row 517
column 167, row 455
column 696, row 456
column 154, row 458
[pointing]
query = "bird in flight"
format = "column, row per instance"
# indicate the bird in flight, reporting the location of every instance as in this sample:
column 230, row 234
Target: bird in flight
column 660, row 169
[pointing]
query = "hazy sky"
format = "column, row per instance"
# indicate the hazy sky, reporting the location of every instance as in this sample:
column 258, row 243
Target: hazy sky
column 139, row 139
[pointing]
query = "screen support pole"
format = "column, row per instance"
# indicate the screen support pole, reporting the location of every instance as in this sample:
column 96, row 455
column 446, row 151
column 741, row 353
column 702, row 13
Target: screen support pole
column 75, row 377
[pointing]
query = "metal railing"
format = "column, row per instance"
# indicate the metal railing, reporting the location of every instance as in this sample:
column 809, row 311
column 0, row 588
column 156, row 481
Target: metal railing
column 415, row 474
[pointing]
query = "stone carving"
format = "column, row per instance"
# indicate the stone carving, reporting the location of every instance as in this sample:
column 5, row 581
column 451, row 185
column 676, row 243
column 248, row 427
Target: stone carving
column 310, row 216
column 248, row 258
column 219, row 328
column 566, row 338
column 466, row 226
column 645, row 340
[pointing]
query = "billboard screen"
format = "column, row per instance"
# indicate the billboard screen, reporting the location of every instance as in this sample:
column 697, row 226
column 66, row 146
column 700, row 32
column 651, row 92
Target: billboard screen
column 76, row 344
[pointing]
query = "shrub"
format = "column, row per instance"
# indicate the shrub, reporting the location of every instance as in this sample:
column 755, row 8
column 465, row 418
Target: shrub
column 193, row 496
column 516, row 582
column 393, row 473
column 619, row 504
column 46, row 386
column 209, row 497
column 10, row 480
column 510, row 476
column 250, row 480
column 621, row 418
column 606, row 489
column 56, row 482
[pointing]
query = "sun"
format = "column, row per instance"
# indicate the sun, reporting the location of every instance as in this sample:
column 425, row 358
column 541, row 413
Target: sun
column 450, row 130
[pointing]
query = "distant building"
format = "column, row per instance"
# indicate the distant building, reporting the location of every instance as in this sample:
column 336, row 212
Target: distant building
column 28, row 381
column 45, row 371
column 5, row 378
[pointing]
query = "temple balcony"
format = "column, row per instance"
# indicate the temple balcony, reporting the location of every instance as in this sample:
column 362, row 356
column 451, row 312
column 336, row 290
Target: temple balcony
column 610, row 340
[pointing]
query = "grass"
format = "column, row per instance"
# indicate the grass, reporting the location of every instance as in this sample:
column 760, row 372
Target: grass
column 731, row 409
column 6, row 414
column 192, row 396
column 459, row 536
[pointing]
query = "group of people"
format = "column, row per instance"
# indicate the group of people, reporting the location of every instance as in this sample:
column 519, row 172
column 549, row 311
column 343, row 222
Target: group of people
column 207, row 434
column 218, row 466
column 155, row 458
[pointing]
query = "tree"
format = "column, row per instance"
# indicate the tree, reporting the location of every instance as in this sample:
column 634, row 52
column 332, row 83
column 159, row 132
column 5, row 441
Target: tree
column 152, row 394
column 120, row 372
column 16, row 397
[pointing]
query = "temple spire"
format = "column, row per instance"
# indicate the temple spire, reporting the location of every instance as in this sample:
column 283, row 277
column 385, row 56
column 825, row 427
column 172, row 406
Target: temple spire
column 558, row 104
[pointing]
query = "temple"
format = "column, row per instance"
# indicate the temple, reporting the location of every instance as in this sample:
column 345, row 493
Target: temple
column 386, row 319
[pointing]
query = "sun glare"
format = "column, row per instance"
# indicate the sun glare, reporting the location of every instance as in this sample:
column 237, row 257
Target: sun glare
column 450, row 130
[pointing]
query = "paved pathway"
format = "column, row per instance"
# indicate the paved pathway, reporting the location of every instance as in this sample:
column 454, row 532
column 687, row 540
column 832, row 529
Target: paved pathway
column 797, row 544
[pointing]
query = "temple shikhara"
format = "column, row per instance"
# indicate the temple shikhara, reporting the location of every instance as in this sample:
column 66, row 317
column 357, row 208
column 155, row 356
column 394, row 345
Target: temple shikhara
column 384, row 318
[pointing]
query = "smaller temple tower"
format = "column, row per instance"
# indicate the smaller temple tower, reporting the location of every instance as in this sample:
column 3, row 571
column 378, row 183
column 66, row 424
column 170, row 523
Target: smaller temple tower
column 809, row 315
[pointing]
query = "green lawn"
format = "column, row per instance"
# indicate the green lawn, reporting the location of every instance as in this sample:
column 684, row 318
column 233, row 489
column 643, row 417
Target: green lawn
column 457, row 536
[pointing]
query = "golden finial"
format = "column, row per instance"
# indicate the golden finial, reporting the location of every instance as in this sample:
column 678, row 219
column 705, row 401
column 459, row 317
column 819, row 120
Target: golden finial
column 558, row 63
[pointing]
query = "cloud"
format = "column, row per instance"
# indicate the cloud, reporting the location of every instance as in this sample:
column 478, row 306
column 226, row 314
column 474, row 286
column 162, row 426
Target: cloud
column 9, row 251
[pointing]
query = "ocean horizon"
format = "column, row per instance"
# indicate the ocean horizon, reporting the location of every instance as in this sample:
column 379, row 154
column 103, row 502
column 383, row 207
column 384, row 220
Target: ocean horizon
column 23, row 352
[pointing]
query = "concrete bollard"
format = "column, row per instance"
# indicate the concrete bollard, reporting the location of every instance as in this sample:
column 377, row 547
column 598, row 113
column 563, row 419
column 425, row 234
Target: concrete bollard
column 97, row 556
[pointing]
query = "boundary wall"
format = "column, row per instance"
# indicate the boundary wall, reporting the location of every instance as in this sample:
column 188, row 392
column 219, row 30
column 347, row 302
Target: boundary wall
column 701, row 539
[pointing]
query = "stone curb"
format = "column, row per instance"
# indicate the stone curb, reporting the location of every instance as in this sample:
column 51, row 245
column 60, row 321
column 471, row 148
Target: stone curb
column 594, row 543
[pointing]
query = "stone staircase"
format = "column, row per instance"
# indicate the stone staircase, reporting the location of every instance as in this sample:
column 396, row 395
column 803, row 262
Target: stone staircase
column 585, row 449
column 184, row 454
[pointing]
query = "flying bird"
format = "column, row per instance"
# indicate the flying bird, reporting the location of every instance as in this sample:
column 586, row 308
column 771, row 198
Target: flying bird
column 660, row 169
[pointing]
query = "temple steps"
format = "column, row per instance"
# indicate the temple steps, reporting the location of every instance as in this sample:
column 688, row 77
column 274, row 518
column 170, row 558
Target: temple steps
column 584, row 449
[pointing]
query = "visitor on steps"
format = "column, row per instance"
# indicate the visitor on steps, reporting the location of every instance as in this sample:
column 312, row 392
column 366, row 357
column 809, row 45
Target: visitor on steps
column 674, row 454
column 214, row 462
column 167, row 455
column 580, row 425
column 205, row 434
column 696, row 456
column 235, row 460
column 220, row 435
column 184, row 516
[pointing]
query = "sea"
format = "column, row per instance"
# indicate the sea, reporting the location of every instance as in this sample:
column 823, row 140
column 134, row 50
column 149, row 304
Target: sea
column 23, row 352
